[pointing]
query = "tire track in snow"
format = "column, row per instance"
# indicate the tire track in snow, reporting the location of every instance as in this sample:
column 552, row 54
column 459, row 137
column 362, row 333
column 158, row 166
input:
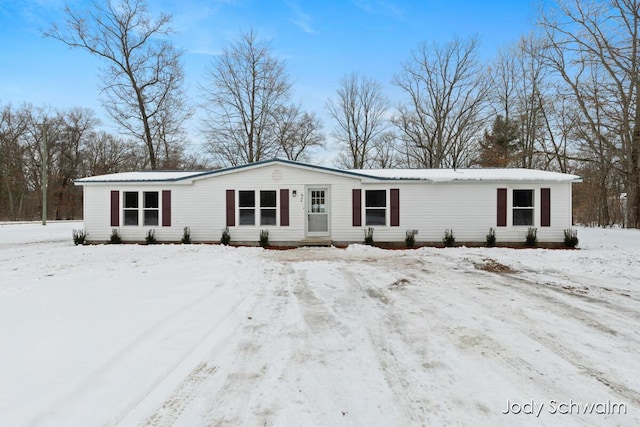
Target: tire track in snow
column 186, row 311
column 198, row 379
column 587, row 368
column 331, row 365
column 385, row 324
column 241, row 394
column 535, row 290
column 551, row 295
column 134, row 349
column 184, row 394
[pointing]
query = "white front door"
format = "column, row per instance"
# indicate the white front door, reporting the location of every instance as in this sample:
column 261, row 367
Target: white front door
column 317, row 211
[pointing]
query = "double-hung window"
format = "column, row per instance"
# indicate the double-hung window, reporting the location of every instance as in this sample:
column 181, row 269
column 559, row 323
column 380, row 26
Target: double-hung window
column 247, row 207
column 263, row 203
column 142, row 208
column 130, row 208
column 375, row 207
column 267, row 208
column 151, row 207
column 523, row 208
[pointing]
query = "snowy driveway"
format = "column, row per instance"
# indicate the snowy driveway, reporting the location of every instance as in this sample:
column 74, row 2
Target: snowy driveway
column 211, row 335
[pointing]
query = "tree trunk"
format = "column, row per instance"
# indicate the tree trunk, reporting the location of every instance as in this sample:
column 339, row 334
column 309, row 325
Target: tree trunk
column 633, row 184
column 604, row 218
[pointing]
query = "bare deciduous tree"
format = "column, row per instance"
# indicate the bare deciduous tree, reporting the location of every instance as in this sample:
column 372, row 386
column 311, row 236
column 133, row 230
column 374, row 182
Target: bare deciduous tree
column 359, row 110
column 595, row 49
column 247, row 84
column 447, row 89
column 297, row 132
column 385, row 153
column 142, row 76
column 73, row 149
column 13, row 191
column 103, row 153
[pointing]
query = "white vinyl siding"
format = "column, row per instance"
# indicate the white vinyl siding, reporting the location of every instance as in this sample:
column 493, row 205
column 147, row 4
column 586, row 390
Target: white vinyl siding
column 468, row 208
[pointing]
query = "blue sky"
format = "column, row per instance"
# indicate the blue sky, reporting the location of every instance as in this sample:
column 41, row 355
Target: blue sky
column 319, row 40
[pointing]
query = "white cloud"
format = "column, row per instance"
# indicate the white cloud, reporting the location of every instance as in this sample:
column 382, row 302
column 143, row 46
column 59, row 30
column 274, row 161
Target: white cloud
column 301, row 19
column 379, row 7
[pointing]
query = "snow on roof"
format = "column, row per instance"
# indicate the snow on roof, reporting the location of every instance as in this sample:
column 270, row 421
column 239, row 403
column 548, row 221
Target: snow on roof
column 447, row 175
column 148, row 176
column 430, row 175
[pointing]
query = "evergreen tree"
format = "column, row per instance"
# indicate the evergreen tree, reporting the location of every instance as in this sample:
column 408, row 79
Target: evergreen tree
column 498, row 147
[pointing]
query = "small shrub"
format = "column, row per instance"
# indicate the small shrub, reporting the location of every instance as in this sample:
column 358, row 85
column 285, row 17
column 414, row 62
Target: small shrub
column 225, row 239
column 368, row 236
column 491, row 238
column 532, row 237
column 264, row 238
column 115, row 238
column 79, row 237
column 410, row 238
column 151, row 237
column 186, row 236
column 449, row 239
column 570, row 238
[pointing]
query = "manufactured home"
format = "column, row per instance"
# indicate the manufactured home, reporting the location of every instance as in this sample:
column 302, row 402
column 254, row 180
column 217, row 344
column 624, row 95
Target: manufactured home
column 304, row 204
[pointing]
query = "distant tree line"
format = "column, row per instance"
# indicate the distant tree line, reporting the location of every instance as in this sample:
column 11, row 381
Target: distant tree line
column 563, row 98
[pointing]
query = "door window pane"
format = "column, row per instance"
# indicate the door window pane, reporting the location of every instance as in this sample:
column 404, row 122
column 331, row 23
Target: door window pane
column 318, row 201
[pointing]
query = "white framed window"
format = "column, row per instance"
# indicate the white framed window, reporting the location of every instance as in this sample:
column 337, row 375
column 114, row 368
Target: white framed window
column 258, row 207
column 150, row 208
column 130, row 207
column 523, row 208
column 268, row 207
column 151, row 204
column 247, row 207
column 375, row 207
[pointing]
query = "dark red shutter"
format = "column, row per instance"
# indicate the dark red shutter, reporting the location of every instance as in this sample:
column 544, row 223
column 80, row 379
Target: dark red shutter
column 545, row 207
column 166, row 208
column 231, row 208
column 115, row 208
column 356, row 207
column 502, row 207
column 395, row 207
column 284, row 207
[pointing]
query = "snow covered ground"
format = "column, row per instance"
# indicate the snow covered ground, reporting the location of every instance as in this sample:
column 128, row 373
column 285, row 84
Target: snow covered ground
column 210, row 335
